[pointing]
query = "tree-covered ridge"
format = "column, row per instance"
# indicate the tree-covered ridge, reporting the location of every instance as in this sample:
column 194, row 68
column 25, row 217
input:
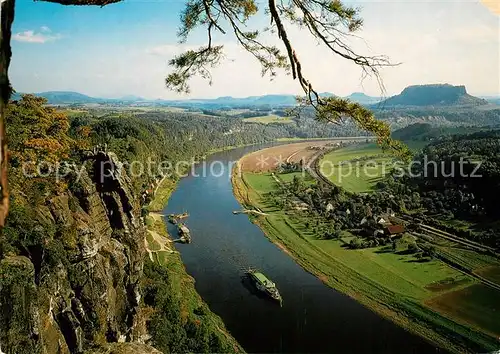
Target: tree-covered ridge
column 430, row 132
column 399, row 117
column 456, row 178
column 471, row 191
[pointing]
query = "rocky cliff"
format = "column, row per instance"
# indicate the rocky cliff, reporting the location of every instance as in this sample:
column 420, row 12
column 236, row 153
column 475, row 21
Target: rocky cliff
column 80, row 290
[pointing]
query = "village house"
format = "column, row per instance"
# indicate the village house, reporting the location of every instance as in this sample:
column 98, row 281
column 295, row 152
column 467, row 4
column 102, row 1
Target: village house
column 394, row 230
column 300, row 205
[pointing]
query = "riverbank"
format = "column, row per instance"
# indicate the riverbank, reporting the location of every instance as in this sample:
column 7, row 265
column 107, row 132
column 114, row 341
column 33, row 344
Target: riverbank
column 291, row 140
column 359, row 274
column 232, row 147
column 185, row 300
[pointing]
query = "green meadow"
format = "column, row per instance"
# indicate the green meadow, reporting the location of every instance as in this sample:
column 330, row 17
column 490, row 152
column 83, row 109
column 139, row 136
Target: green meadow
column 394, row 285
column 357, row 168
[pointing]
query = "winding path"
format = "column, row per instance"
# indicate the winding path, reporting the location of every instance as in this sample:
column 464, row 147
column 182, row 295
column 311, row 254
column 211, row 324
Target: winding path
column 162, row 241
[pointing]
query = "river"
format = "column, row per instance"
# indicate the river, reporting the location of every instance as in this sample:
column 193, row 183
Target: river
column 314, row 318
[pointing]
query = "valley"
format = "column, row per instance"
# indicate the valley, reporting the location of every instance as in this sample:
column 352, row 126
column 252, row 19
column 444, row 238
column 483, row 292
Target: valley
column 386, row 277
column 249, row 176
column 225, row 245
column 286, row 165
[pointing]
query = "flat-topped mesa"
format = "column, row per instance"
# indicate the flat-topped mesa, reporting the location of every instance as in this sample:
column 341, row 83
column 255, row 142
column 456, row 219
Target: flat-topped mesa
column 433, row 95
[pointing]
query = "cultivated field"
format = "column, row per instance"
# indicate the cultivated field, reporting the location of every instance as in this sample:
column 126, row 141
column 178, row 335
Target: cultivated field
column 477, row 305
column 357, row 168
column 269, row 159
column 491, row 273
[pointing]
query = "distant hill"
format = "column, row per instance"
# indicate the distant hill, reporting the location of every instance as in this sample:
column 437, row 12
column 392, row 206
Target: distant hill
column 131, row 98
column 361, row 98
column 65, row 97
column 433, row 95
column 492, row 99
column 412, row 96
column 70, row 97
column 229, row 101
column 280, row 100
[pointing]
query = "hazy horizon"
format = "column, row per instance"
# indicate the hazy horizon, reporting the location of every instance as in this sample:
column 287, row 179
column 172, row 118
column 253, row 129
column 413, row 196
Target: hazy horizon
column 190, row 97
column 123, row 49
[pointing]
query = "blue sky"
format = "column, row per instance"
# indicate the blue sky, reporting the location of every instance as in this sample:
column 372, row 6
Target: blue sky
column 123, row 49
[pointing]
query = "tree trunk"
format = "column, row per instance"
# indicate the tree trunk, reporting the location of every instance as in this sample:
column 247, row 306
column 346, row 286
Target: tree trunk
column 7, row 16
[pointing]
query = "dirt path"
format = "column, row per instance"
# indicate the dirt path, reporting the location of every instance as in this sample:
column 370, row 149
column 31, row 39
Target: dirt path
column 162, row 241
column 159, row 184
column 292, row 156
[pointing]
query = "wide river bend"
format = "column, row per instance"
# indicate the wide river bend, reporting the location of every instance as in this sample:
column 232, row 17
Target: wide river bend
column 314, row 318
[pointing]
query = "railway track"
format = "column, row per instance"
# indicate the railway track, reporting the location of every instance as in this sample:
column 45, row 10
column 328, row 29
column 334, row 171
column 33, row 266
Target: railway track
column 462, row 241
column 462, row 269
column 313, row 167
column 450, row 237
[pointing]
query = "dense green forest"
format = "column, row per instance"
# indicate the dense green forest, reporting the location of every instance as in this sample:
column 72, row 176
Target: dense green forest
column 464, row 185
column 446, row 115
column 429, row 132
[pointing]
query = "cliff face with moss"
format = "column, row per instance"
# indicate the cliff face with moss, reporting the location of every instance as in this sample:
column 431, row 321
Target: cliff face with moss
column 80, row 289
column 74, row 276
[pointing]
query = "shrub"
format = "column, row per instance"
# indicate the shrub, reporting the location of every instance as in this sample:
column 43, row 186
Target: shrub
column 149, row 221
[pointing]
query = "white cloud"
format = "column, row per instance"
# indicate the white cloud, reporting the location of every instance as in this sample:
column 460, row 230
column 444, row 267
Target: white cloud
column 35, row 37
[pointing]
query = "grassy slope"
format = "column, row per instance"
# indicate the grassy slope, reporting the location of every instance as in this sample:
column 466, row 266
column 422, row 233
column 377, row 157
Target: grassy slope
column 288, row 177
column 385, row 282
column 167, row 186
column 478, row 304
column 360, row 177
column 357, row 177
column 182, row 284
